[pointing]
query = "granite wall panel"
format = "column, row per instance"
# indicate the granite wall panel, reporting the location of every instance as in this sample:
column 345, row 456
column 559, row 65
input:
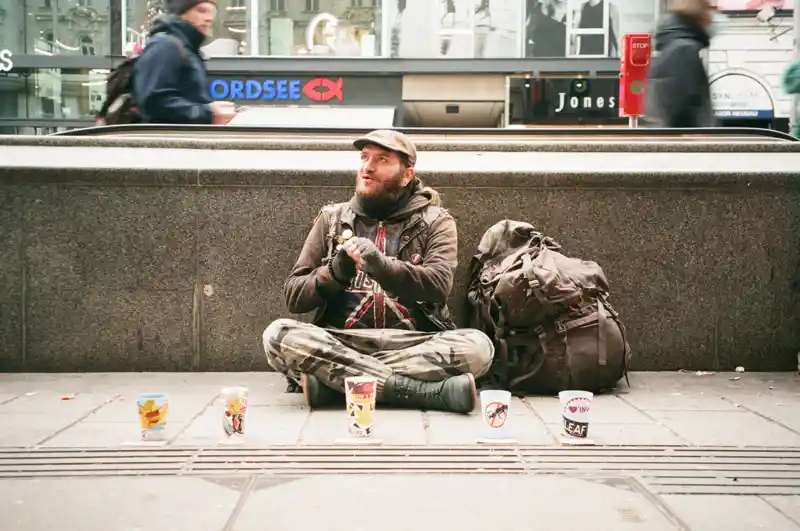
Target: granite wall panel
column 12, row 281
column 111, row 277
column 177, row 274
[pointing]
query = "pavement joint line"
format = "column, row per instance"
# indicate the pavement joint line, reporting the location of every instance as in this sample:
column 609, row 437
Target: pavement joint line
column 658, row 503
column 195, row 417
column 425, row 418
column 303, row 428
column 756, row 413
column 190, row 461
column 529, row 406
column 686, row 442
column 237, row 510
column 9, row 400
column 779, row 510
column 75, row 422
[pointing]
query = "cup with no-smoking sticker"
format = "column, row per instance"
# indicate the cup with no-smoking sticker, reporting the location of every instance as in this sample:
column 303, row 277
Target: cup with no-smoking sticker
column 576, row 407
column 494, row 406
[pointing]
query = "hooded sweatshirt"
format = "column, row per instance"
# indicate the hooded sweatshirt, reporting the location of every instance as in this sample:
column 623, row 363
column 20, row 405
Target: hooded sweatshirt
column 411, row 294
column 170, row 83
column 677, row 91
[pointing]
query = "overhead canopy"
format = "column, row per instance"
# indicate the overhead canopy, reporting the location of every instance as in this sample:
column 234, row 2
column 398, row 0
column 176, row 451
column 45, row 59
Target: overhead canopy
column 738, row 95
column 342, row 116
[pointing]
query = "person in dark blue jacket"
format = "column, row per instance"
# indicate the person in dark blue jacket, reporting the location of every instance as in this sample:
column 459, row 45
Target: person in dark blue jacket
column 170, row 79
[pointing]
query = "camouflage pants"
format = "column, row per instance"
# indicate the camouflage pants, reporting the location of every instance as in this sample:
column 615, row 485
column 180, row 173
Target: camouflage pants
column 294, row 347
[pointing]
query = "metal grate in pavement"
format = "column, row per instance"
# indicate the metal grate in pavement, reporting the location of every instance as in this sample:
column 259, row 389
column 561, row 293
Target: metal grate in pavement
column 664, row 470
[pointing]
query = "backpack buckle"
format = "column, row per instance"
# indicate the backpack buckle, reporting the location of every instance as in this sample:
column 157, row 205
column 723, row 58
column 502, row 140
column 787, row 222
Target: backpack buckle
column 560, row 327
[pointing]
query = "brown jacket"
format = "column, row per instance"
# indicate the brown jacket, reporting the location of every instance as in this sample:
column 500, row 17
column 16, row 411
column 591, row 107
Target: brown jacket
column 411, row 295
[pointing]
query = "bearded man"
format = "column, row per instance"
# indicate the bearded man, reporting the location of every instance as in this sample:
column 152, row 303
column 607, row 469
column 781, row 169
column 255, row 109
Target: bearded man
column 378, row 271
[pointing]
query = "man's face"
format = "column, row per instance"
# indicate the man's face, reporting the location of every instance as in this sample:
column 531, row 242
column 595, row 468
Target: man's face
column 382, row 175
column 202, row 17
column 708, row 16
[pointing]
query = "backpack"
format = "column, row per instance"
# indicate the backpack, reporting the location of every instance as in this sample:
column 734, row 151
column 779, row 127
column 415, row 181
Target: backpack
column 119, row 106
column 547, row 314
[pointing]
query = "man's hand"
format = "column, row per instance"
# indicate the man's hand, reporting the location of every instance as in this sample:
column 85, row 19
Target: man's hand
column 365, row 254
column 223, row 112
column 343, row 267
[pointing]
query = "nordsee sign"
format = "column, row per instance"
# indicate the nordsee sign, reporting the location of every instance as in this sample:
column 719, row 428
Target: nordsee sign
column 737, row 95
column 318, row 89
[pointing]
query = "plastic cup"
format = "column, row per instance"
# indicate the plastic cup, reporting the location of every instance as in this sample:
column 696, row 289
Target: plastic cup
column 235, row 412
column 495, row 406
column 576, row 408
column 153, row 409
column 360, row 398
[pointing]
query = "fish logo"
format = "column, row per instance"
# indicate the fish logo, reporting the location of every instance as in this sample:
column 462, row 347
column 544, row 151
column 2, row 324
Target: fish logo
column 324, row 89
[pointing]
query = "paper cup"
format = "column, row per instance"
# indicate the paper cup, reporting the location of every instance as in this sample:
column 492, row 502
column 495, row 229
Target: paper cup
column 576, row 406
column 153, row 409
column 233, row 416
column 495, row 406
column 360, row 397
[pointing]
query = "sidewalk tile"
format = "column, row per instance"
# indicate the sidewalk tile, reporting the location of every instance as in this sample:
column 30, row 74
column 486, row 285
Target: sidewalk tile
column 27, row 429
column 182, row 408
column 731, row 513
column 781, row 408
column 678, row 401
column 116, row 504
column 788, row 505
column 605, row 409
column 723, row 428
column 57, row 403
column 106, row 434
column 264, row 425
column 628, row 434
column 391, row 427
column 466, row 429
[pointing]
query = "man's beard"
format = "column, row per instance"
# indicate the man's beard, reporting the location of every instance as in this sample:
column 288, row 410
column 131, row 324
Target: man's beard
column 379, row 203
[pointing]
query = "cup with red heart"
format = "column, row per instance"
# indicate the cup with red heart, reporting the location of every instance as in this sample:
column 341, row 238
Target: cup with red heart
column 576, row 406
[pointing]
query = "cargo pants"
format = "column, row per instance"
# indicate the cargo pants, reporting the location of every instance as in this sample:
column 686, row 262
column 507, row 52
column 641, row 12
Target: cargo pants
column 295, row 347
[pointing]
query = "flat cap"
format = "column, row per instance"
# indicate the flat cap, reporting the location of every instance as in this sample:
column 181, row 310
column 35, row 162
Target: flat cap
column 391, row 140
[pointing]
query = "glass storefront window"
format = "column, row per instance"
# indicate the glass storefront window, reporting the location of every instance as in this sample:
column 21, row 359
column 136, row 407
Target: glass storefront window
column 584, row 28
column 52, row 93
column 56, row 27
column 549, row 102
column 341, row 28
column 229, row 36
column 454, row 28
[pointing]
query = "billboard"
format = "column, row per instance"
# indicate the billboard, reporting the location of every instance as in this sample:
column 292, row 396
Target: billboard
column 754, row 5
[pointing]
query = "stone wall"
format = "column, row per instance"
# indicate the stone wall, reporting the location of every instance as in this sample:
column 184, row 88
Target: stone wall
column 130, row 257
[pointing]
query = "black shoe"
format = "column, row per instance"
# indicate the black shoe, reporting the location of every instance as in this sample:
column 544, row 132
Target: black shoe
column 457, row 394
column 318, row 394
column 292, row 386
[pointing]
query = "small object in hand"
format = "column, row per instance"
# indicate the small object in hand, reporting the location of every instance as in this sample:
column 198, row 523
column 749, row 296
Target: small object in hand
column 343, row 237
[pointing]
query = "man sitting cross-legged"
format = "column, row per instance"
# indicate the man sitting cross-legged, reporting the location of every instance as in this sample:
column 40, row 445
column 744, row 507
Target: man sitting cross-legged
column 381, row 295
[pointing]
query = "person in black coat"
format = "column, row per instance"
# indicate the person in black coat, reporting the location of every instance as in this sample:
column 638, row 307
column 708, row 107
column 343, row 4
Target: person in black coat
column 170, row 81
column 678, row 94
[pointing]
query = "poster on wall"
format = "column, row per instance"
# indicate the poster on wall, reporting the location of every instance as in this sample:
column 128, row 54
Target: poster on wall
column 583, row 28
column 755, row 5
column 454, row 28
